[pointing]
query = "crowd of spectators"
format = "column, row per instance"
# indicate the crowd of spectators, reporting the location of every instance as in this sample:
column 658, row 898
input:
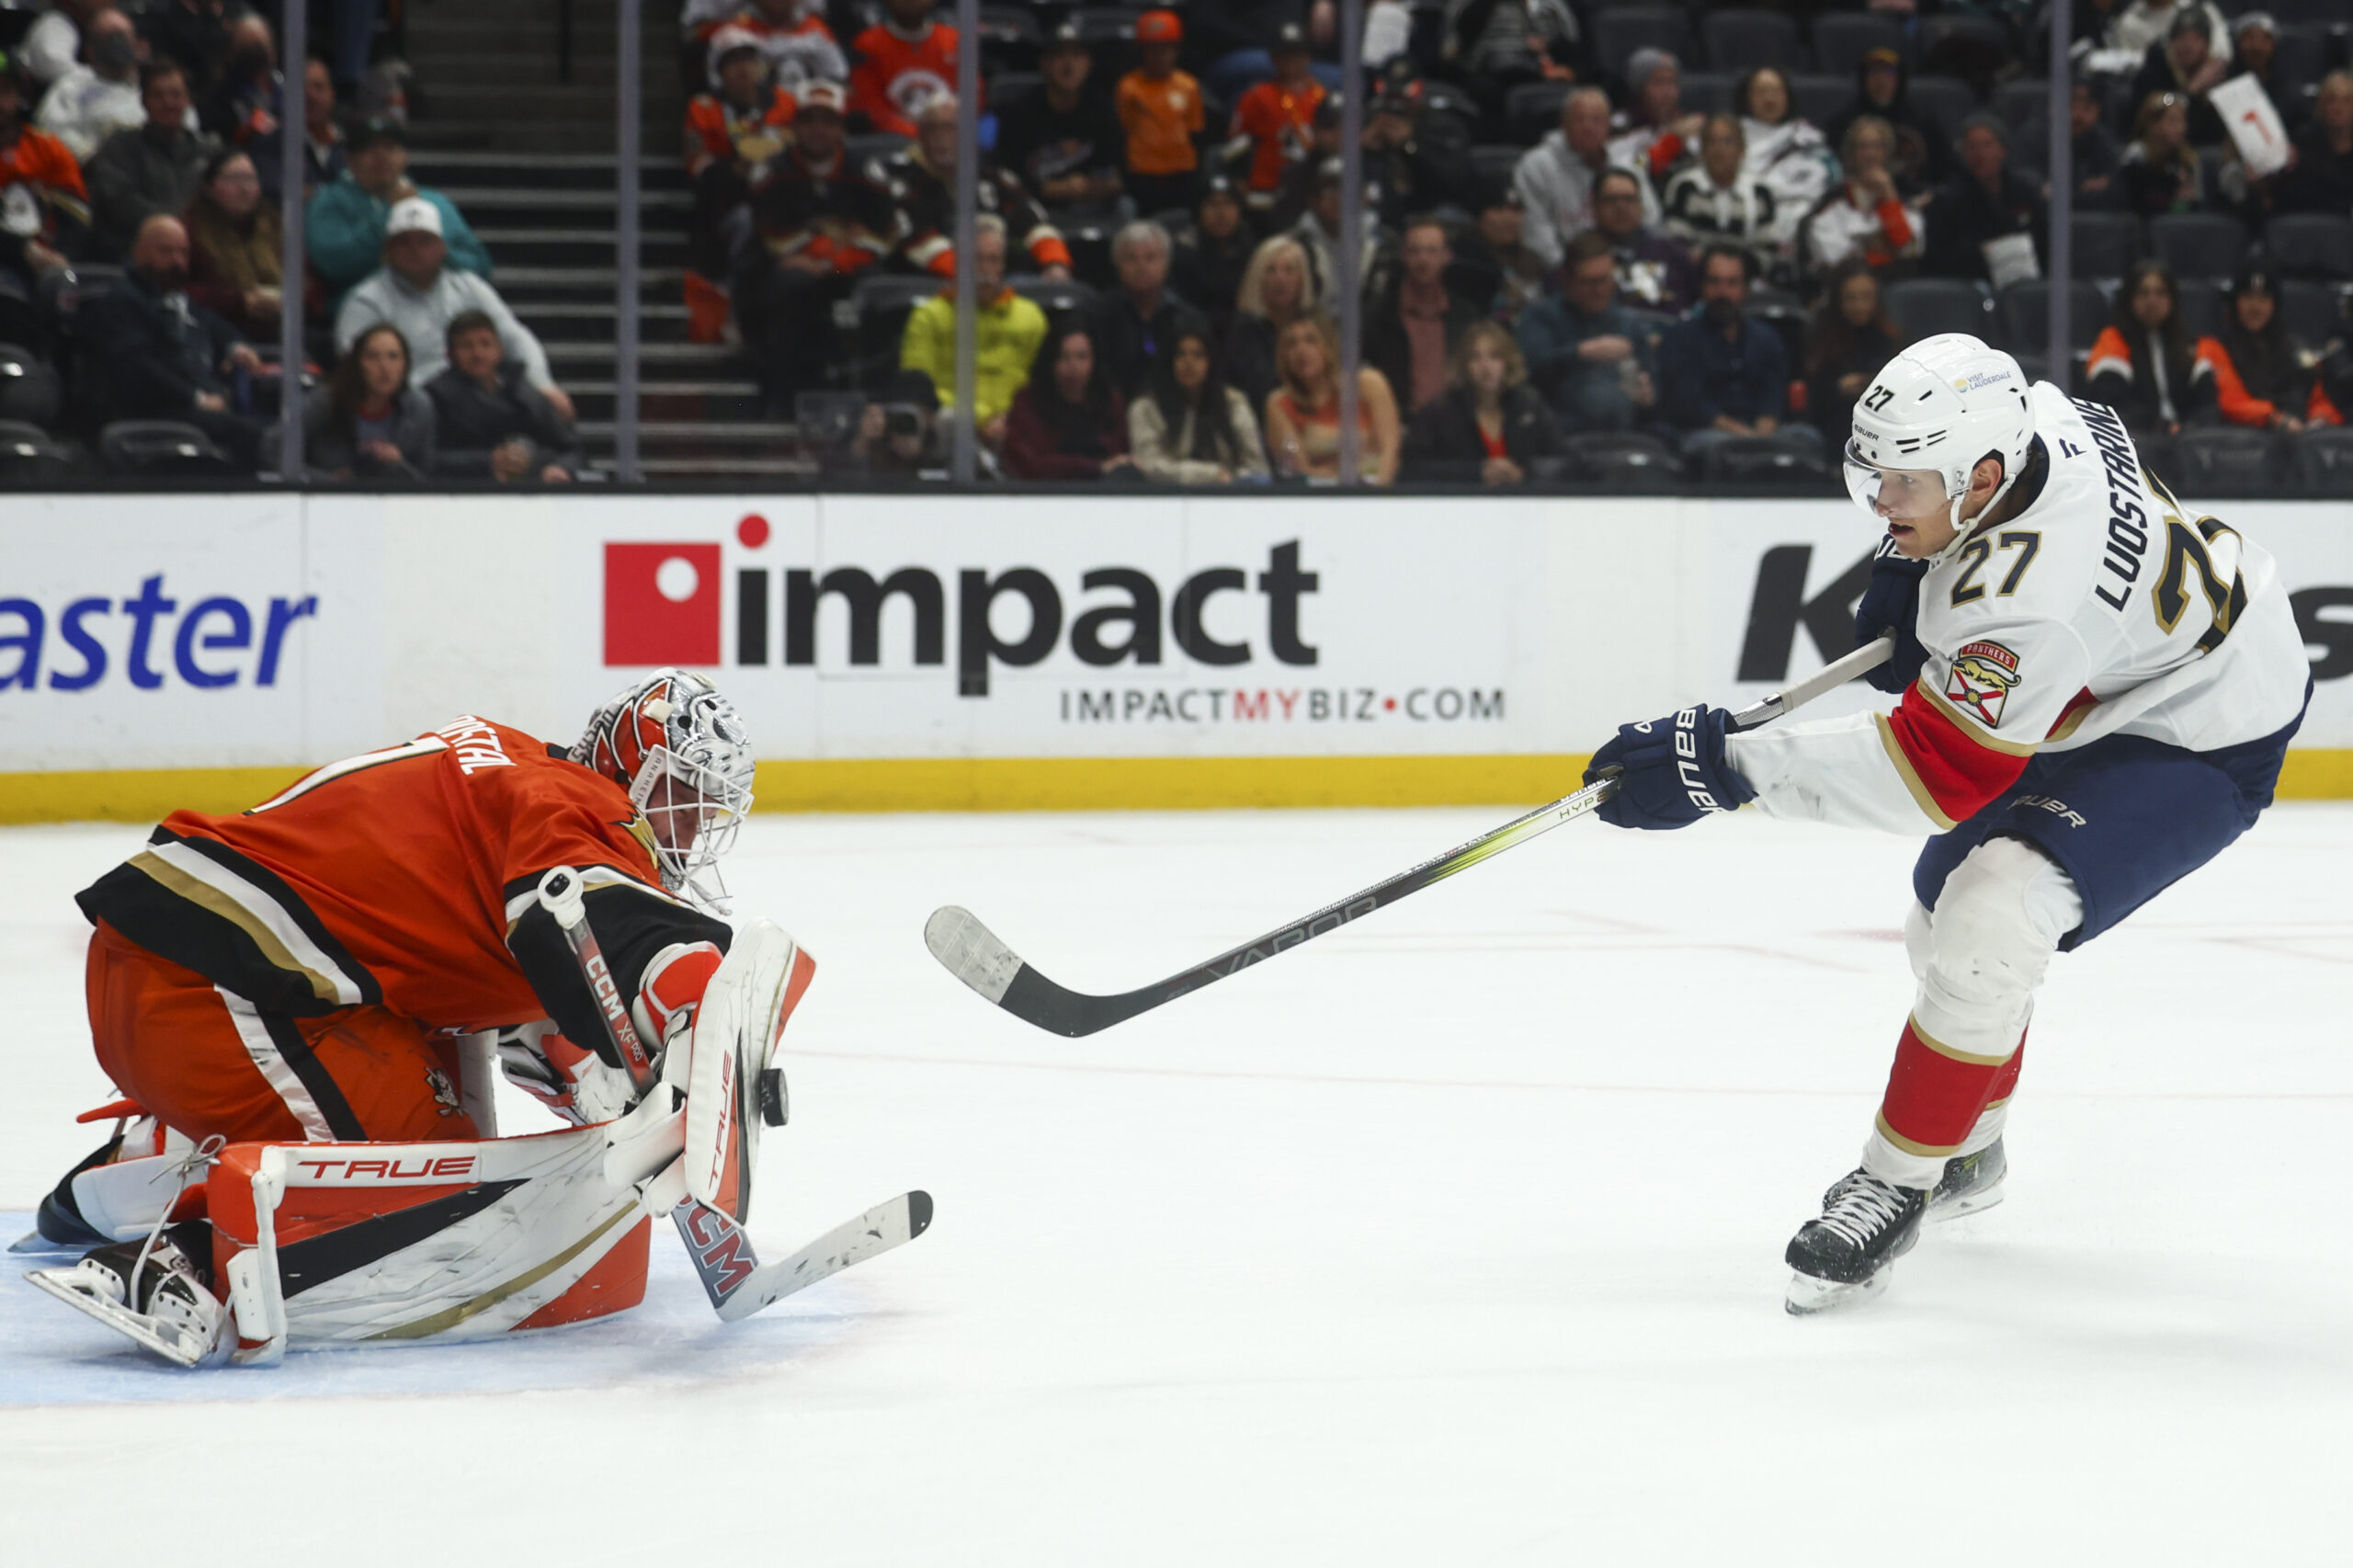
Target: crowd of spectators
column 141, row 226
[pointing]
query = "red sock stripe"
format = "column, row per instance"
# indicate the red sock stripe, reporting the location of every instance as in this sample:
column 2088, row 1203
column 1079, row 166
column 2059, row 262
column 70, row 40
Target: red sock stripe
column 1933, row 1100
column 2005, row 1076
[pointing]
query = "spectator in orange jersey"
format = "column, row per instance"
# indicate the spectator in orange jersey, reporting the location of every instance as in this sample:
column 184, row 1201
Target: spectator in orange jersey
column 730, row 136
column 2263, row 376
column 2143, row 364
column 1279, row 117
column 921, row 183
column 904, row 61
column 51, row 191
column 1161, row 107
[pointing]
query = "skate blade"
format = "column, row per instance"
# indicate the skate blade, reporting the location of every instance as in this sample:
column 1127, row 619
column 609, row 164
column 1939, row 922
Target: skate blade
column 1809, row 1296
column 33, row 1241
column 63, row 1284
column 1974, row 1203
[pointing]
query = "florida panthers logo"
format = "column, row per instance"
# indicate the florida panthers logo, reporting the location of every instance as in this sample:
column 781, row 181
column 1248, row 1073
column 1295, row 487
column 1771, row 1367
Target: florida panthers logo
column 1982, row 675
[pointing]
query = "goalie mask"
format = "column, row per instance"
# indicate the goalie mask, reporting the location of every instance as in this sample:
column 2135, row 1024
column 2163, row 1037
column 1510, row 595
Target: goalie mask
column 680, row 750
column 1939, row 408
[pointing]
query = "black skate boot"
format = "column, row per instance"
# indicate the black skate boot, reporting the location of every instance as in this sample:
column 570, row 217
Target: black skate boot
column 163, row 1301
column 1847, row 1254
column 1970, row 1182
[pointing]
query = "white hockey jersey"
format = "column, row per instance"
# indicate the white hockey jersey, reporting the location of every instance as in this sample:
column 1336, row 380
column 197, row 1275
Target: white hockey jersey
column 2106, row 608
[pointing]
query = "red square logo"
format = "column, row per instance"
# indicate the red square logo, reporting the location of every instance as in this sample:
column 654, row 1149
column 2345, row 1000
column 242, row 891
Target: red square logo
column 661, row 604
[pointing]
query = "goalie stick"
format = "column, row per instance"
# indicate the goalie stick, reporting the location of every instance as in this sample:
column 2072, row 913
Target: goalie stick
column 971, row 952
column 731, row 1272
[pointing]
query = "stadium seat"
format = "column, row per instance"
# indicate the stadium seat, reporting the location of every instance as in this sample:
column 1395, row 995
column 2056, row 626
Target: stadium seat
column 1951, row 100
column 2290, row 12
column 1707, row 92
column 869, row 147
column 2204, row 300
column 2020, row 104
column 2106, row 244
column 1922, row 307
column 2199, row 244
column 2304, row 49
column 1841, row 39
column 1741, row 40
column 30, row 391
column 2324, row 462
column 1112, row 34
column 2224, row 463
column 1818, row 97
column 153, row 449
column 2314, row 313
column 1532, row 109
column 1010, row 32
column 1959, row 44
column 1438, row 97
column 2025, row 312
column 1627, row 461
column 1621, row 29
column 1761, row 459
column 29, row 456
column 1056, row 299
column 1495, row 165
column 2311, row 245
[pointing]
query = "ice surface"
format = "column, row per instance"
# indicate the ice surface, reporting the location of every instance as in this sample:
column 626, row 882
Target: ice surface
column 1453, row 1238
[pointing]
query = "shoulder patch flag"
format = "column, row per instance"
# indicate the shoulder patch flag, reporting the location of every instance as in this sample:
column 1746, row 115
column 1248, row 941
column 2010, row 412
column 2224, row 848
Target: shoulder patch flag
column 1982, row 674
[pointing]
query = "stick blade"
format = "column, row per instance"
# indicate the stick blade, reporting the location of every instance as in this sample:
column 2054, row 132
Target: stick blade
column 879, row 1229
column 970, row 951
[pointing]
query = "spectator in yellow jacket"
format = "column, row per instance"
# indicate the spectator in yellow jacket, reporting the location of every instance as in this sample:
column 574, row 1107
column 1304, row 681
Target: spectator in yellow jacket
column 1005, row 336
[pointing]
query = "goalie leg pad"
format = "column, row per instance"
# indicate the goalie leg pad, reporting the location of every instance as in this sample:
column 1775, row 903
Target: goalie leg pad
column 736, row 1026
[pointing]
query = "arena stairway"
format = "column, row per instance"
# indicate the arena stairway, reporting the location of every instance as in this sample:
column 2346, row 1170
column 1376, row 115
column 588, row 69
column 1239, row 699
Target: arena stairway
column 528, row 157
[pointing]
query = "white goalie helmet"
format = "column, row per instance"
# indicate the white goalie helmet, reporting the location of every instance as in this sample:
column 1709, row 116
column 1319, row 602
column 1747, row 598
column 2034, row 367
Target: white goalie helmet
column 681, row 751
column 1940, row 406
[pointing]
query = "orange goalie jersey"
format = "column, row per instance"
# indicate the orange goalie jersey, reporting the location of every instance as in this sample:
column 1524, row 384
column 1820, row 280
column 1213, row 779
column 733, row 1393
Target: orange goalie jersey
column 405, row 879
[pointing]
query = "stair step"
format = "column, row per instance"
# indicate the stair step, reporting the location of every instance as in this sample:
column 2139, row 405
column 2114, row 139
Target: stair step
column 720, row 357
column 715, row 432
column 549, row 247
column 509, row 200
column 727, row 467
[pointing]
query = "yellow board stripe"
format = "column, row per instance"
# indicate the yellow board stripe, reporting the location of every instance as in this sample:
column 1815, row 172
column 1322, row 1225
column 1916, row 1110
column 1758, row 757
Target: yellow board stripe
column 999, row 784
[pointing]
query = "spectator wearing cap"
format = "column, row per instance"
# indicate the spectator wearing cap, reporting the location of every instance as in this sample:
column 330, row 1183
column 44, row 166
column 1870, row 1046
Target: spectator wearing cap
column 905, row 62
column 1489, row 49
column 324, row 158
column 153, row 354
column 1491, row 260
column 1007, row 331
column 1922, row 158
column 1585, row 350
column 1718, row 202
column 154, row 168
column 1276, row 118
column 2256, row 55
column 921, row 181
column 1414, row 159
column 2183, row 62
column 2137, row 24
column 1657, row 133
column 1065, row 140
column 1721, row 376
column 1987, row 201
column 1415, row 320
column 490, row 421
column 792, row 37
column 1161, row 112
column 1230, row 44
column 40, row 186
column 1555, row 179
column 2264, row 376
column 417, row 291
column 1318, row 231
column 1136, row 324
column 244, row 103
column 817, row 222
column 1655, row 272
column 1212, row 253
column 730, row 135
column 2321, row 178
column 344, row 228
column 90, row 103
column 1297, row 192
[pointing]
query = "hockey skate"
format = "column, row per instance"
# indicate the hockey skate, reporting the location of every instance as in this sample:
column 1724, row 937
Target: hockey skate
column 1847, row 1255
column 163, row 1303
column 1970, row 1182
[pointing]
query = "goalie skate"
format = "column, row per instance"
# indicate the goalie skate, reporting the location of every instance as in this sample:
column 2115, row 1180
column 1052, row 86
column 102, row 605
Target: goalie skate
column 1847, row 1255
column 161, row 1304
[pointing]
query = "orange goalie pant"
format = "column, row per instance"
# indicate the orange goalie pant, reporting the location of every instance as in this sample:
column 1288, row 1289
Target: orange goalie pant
column 202, row 1060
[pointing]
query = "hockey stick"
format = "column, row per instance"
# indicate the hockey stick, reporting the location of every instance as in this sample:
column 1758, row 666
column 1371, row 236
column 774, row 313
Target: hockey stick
column 974, row 954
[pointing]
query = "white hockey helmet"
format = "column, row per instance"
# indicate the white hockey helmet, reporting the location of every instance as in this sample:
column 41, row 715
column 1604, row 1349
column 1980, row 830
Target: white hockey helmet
column 1941, row 405
column 681, row 751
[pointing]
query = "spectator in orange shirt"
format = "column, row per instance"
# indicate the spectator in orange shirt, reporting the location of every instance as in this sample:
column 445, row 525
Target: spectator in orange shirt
column 1161, row 107
column 730, row 137
column 40, row 165
column 904, row 61
column 1279, row 117
column 2263, row 376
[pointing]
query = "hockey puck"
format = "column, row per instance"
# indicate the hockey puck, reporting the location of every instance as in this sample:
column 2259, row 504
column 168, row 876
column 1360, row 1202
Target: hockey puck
column 775, row 1108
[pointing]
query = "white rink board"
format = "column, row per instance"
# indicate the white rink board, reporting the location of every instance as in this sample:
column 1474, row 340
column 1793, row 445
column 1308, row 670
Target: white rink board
column 1459, row 626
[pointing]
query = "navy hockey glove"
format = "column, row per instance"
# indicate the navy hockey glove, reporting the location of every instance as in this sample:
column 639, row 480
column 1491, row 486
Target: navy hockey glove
column 1892, row 602
column 1672, row 771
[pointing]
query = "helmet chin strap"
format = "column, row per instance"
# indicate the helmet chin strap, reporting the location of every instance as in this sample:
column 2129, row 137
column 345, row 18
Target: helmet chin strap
column 1960, row 533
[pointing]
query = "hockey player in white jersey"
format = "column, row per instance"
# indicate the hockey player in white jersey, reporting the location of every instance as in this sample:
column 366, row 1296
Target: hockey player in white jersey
column 2099, row 687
